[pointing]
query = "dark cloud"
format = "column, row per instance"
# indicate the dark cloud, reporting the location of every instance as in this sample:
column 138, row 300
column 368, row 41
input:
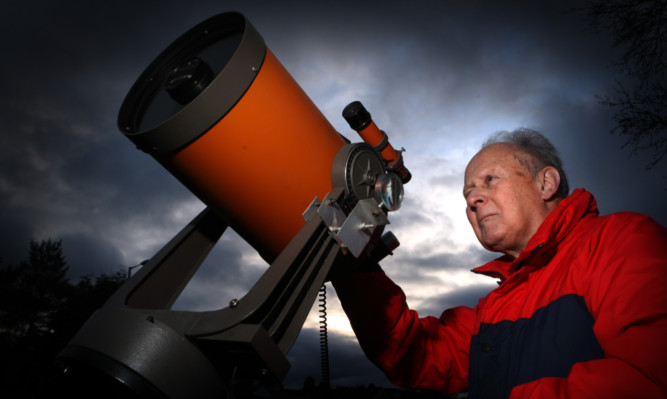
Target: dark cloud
column 81, row 249
column 413, row 267
column 347, row 364
column 223, row 276
column 15, row 239
column 467, row 259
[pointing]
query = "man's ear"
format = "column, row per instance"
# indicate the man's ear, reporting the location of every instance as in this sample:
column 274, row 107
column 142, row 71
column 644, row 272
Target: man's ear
column 550, row 181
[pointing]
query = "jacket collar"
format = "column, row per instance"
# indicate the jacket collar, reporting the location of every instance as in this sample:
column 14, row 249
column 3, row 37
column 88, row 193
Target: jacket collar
column 557, row 225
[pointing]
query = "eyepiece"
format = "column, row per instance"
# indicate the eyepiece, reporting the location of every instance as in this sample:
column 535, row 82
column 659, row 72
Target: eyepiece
column 357, row 116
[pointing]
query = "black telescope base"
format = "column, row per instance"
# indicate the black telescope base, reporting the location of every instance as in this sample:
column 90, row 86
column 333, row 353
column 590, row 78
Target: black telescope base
column 87, row 373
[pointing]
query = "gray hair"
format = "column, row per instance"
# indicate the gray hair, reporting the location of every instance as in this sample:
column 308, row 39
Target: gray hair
column 540, row 150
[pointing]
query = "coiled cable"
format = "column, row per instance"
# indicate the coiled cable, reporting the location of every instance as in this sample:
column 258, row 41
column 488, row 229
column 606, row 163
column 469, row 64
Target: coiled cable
column 324, row 337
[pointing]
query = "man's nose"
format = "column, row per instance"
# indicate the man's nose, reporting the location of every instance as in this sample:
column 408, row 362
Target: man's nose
column 475, row 199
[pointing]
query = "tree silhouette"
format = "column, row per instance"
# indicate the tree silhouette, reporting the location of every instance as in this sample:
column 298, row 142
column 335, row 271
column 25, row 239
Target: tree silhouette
column 34, row 290
column 39, row 313
column 640, row 105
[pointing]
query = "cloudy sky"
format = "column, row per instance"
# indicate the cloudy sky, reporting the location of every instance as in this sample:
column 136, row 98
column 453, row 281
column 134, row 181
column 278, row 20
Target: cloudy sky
column 438, row 76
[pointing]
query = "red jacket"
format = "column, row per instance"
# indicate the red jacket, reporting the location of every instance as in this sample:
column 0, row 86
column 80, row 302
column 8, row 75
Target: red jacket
column 580, row 313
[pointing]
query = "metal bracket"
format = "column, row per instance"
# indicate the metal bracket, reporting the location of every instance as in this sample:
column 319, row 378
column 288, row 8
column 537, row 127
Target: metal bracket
column 311, row 210
column 359, row 227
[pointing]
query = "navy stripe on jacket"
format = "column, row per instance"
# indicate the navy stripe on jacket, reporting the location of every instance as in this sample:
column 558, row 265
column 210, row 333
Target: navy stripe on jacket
column 510, row 353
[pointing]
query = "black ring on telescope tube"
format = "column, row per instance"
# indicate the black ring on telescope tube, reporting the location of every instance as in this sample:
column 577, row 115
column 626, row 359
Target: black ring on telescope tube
column 158, row 124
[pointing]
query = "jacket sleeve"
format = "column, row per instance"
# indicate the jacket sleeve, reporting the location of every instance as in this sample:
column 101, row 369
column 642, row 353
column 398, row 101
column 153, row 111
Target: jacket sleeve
column 427, row 353
column 627, row 297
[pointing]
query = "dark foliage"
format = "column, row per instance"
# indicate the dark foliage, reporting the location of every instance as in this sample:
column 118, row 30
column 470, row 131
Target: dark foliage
column 40, row 310
column 638, row 29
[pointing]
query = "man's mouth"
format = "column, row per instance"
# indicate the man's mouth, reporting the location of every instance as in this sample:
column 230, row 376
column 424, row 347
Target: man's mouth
column 482, row 219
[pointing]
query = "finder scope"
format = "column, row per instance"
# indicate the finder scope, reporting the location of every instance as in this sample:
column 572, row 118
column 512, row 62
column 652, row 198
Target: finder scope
column 360, row 120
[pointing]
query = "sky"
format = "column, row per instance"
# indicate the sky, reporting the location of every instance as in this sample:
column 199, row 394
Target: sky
column 438, row 76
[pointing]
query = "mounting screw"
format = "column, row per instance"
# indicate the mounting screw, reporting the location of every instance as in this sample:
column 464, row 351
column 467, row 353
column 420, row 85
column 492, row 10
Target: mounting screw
column 233, row 303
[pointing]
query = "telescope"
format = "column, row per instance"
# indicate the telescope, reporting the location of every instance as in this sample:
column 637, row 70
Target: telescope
column 219, row 112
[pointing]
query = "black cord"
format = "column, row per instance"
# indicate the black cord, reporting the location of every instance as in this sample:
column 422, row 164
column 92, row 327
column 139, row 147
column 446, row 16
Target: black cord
column 324, row 337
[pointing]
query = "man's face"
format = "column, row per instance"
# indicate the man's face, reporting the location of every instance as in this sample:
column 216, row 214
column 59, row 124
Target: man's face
column 504, row 201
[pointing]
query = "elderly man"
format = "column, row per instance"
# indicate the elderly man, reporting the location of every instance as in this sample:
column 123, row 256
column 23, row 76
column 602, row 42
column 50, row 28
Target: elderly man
column 581, row 309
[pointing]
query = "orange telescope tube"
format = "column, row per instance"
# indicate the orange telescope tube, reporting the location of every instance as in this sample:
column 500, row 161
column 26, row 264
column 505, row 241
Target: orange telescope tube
column 219, row 111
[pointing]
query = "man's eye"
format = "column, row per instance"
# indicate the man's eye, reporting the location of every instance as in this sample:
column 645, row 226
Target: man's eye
column 490, row 178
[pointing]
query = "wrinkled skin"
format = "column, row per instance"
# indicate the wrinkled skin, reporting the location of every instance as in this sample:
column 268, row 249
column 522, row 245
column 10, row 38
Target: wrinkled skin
column 505, row 203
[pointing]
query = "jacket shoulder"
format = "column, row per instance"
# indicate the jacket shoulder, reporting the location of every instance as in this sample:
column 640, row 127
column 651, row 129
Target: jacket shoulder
column 624, row 226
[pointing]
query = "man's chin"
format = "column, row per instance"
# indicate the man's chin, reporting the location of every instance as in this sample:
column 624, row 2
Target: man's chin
column 493, row 246
column 491, row 242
